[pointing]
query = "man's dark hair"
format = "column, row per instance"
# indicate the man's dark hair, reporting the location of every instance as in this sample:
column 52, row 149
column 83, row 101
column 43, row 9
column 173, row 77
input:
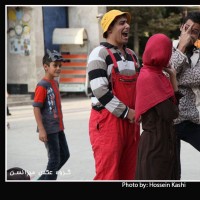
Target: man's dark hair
column 17, row 173
column 194, row 16
column 105, row 35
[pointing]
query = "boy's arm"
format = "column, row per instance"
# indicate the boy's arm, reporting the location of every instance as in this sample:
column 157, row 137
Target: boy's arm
column 38, row 118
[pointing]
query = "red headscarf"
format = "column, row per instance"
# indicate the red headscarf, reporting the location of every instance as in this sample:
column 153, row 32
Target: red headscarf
column 152, row 85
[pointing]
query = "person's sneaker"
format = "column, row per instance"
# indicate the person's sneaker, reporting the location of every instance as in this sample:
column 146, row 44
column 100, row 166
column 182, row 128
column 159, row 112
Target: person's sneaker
column 9, row 114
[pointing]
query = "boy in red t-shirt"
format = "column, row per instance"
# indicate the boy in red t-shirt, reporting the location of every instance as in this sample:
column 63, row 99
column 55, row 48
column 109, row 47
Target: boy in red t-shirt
column 48, row 116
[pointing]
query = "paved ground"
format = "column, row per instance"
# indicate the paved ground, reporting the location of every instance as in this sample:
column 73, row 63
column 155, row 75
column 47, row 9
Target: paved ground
column 23, row 149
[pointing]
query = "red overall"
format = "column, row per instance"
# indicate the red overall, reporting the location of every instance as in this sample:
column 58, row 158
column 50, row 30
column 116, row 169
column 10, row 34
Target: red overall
column 115, row 140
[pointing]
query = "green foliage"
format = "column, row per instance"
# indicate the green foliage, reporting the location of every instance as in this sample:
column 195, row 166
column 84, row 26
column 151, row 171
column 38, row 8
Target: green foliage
column 148, row 20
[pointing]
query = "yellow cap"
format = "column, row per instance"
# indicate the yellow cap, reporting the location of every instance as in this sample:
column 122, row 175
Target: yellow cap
column 110, row 16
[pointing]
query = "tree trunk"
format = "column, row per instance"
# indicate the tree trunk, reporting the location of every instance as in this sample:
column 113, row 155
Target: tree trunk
column 136, row 39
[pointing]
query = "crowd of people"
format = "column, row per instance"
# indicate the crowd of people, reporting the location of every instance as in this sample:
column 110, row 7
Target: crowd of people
column 161, row 95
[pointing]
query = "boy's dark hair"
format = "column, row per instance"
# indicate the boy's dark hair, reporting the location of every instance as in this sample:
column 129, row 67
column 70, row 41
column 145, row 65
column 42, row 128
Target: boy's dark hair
column 17, row 173
column 52, row 56
column 194, row 16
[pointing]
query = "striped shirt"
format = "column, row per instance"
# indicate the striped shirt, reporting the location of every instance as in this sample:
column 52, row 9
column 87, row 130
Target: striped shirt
column 99, row 71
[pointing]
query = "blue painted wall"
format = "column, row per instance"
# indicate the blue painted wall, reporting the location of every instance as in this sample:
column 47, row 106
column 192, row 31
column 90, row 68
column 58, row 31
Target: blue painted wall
column 54, row 17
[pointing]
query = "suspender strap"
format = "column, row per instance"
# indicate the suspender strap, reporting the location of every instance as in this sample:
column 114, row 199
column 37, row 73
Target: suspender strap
column 114, row 60
column 133, row 57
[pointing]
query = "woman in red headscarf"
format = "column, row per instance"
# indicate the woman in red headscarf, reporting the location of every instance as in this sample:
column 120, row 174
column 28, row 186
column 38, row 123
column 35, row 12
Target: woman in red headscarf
column 157, row 97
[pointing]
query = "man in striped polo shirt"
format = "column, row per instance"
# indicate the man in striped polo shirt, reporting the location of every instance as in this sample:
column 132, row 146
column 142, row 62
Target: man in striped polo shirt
column 48, row 115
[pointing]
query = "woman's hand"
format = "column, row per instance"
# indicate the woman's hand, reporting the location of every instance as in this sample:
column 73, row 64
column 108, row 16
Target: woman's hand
column 170, row 70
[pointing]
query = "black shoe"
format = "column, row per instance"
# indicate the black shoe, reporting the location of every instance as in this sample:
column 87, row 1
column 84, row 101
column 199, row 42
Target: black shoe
column 8, row 113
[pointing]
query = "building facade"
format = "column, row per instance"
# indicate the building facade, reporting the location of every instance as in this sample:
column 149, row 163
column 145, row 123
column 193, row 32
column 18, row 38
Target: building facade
column 29, row 34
